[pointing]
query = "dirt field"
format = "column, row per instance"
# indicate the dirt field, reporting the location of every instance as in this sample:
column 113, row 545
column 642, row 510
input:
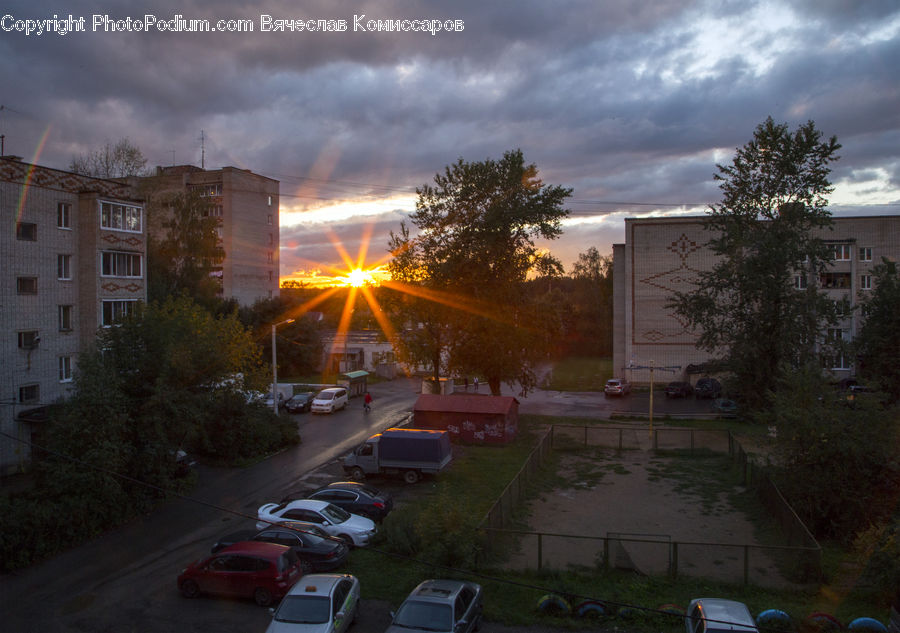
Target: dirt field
column 643, row 498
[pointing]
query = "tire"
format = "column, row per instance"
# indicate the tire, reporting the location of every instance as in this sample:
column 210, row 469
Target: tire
column 190, row 589
column 411, row 476
column 347, row 540
column 262, row 596
column 357, row 473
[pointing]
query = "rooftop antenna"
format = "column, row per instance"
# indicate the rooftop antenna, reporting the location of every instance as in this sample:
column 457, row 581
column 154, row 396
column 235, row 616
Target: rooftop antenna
column 173, row 158
column 202, row 150
column 3, row 136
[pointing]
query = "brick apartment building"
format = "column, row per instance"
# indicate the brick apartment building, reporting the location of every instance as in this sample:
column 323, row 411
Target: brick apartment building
column 246, row 205
column 663, row 255
column 72, row 260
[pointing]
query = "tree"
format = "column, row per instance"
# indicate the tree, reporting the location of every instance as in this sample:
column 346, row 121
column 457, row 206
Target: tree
column 188, row 256
column 111, row 161
column 592, row 308
column 466, row 269
column 746, row 309
column 878, row 342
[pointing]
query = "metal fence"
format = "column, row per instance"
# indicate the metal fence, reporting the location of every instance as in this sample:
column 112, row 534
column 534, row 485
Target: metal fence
column 797, row 561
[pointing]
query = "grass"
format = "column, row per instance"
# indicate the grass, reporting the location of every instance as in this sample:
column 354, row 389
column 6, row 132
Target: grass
column 479, row 476
column 580, row 374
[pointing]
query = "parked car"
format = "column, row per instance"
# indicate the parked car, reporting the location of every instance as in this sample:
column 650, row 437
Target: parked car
column 715, row 615
column 356, row 498
column 320, row 603
column 678, row 389
column 444, row 606
column 315, row 548
column 268, row 401
column 262, row 571
column 299, row 402
column 725, row 408
column 330, row 400
column 617, row 387
column 708, row 388
column 350, row 528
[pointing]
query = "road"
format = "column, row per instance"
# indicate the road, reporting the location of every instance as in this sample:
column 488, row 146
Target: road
column 125, row 579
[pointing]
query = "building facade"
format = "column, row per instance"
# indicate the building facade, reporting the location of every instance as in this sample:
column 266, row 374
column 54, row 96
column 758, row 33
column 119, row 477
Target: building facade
column 246, row 206
column 72, row 260
column 662, row 256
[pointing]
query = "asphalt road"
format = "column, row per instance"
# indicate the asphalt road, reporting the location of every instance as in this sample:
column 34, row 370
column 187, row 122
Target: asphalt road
column 125, row 579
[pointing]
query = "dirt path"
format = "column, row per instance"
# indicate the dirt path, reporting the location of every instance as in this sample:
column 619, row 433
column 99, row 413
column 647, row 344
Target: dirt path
column 650, row 502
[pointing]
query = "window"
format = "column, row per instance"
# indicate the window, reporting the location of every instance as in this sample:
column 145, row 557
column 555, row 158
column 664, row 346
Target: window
column 835, row 280
column 26, row 231
column 29, row 394
column 271, row 239
column 209, row 191
column 29, row 339
column 836, row 361
column 270, row 201
column 840, row 252
column 116, row 310
column 865, row 282
column 865, row 254
column 842, row 307
column 120, row 217
column 64, row 267
column 115, row 264
column 65, row 318
column 215, row 211
column 270, row 219
column 800, row 282
column 26, row 285
column 65, row 369
column 270, row 257
column 271, row 275
column 64, row 215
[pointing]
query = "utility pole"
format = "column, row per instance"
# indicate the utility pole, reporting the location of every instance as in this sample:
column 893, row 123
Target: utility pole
column 202, row 150
column 653, row 367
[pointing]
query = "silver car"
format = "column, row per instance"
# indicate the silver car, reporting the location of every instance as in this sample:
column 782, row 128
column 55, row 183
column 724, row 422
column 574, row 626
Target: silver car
column 716, row 615
column 318, row 603
column 440, row 606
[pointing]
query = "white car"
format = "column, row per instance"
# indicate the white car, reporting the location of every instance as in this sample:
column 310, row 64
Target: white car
column 350, row 528
column 318, row 603
column 329, row 400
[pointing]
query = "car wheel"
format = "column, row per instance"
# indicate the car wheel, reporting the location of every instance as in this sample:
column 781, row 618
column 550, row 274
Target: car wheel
column 348, row 540
column 262, row 596
column 190, row 589
column 411, row 476
column 357, row 473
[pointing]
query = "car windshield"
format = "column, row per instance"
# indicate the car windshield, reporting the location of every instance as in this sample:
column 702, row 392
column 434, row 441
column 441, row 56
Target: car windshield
column 311, row 540
column 425, row 616
column 335, row 514
column 304, row 610
column 325, row 395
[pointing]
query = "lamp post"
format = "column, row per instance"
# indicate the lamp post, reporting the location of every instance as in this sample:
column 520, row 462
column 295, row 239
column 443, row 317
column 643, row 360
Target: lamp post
column 651, row 367
column 275, row 366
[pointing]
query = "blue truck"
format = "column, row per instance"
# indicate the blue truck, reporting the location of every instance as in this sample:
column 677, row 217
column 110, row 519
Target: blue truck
column 405, row 452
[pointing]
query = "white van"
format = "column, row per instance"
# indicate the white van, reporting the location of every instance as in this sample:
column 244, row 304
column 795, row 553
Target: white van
column 329, row 400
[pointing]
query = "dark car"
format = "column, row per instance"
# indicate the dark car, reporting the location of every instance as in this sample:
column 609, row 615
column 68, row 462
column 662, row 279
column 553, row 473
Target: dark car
column 725, row 408
column 315, row 549
column 299, row 402
column 355, row 498
column 262, row 571
column 678, row 389
column 444, row 606
column 708, row 388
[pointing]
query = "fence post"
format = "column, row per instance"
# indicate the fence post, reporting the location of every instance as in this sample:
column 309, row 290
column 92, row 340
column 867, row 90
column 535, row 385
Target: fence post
column 674, row 570
column 606, row 552
column 540, row 550
column 746, row 564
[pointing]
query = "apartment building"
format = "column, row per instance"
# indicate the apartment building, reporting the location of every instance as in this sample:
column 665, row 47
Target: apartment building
column 246, row 205
column 662, row 256
column 72, row 260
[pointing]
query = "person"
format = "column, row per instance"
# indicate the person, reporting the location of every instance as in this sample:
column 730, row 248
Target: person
column 367, row 402
column 475, row 383
column 467, row 384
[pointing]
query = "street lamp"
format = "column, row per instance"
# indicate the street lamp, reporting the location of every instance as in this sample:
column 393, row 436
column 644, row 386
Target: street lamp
column 275, row 366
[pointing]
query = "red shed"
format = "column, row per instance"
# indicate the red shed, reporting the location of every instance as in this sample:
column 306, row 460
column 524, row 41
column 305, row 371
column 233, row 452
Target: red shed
column 472, row 419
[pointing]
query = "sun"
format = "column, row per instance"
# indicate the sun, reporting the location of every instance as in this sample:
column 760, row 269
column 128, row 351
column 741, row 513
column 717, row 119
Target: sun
column 358, row 278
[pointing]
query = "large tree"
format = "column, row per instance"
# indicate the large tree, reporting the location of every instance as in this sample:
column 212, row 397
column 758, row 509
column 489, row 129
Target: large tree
column 592, row 308
column 111, row 161
column 878, row 341
column 466, row 268
column 765, row 232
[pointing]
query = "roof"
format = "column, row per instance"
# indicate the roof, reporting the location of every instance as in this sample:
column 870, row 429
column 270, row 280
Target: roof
column 355, row 374
column 465, row 404
column 317, row 584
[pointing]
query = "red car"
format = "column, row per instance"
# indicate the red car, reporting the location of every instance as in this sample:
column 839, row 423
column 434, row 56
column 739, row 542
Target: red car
column 251, row 569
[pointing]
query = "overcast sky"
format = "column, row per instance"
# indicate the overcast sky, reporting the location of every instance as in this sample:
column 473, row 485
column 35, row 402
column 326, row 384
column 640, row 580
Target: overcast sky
column 630, row 103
